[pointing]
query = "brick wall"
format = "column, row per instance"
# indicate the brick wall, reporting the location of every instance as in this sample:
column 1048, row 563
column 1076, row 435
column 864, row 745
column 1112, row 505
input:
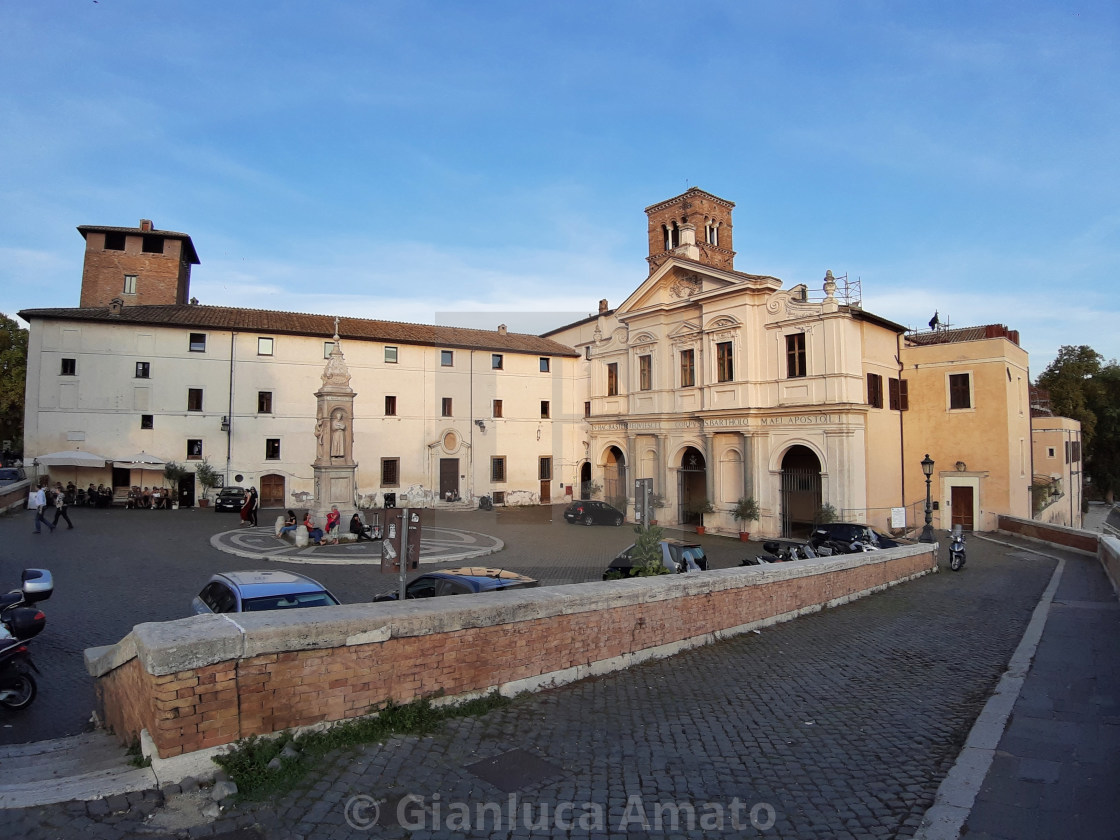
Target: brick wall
column 1047, row 532
column 160, row 276
column 208, row 680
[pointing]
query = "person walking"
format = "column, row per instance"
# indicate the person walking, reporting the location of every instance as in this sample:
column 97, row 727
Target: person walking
column 38, row 500
column 61, row 502
column 246, row 509
column 254, row 506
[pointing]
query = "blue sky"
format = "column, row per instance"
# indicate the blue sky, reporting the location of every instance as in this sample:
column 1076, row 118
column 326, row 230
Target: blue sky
column 403, row 159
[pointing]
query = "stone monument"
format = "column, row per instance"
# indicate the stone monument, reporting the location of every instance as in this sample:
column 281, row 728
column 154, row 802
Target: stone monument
column 334, row 466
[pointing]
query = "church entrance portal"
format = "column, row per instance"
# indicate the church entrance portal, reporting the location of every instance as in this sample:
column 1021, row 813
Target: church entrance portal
column 801, row 491
column 692, row 487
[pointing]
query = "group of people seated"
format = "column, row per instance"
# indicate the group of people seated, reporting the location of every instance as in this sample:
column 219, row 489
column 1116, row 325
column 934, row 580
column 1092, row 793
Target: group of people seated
column 99, row 496
column 329, row 536
column 146, row 498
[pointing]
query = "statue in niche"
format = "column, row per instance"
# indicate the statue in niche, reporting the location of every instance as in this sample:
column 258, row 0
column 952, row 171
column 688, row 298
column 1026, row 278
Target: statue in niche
column 320, row 434
column 338, row 433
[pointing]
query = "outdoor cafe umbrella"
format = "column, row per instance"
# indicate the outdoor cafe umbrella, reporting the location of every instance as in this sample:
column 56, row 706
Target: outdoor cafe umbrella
column 73, row 458
column 142, row 461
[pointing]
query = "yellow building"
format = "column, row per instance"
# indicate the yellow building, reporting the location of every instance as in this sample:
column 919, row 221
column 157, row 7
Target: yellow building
column 1056, row 442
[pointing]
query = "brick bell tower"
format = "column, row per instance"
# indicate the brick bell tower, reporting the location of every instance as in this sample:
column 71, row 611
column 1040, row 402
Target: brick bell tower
column 695, row 225
column 140, row 265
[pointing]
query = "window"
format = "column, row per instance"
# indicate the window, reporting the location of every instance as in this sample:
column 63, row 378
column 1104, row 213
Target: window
column 194, row 399
column 499, row 497
column 328, row 348
column 725, row 365
column 544, row 410
column 194, row 449
column 497, row 408
column 1050, row 452
column 899, row 394
column 496, row 361
column 688, row 368
column 390, row 472
column 390, row 405
column 587, row 409
column 612, row 379
column 645, row 372
column 447, row 407
column 264, row 346
column 795, row 355
column 545, row 364
column 143, row 370
column 960, row 390
column 264, row 402
column 114, row 242
column 69, row 367
column 711, row 232
column 146, row 421
column 1075, row 451
column 152, row 245
column 272, row 449
column 390, row 355
column 544, row 468
column 874, row 390
column 446, row 358
column 498, row 468
column 198, row 343
column 130, row 284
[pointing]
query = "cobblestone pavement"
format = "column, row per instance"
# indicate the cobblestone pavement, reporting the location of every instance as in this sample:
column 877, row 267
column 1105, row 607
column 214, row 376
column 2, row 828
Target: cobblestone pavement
column 839, row 724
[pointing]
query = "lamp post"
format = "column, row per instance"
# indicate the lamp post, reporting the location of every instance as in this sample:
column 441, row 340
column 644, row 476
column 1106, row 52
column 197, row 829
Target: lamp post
column 927, row 531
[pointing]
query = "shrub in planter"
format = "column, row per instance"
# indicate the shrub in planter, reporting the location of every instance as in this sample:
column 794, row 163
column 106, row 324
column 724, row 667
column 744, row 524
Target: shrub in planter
column 745, row 510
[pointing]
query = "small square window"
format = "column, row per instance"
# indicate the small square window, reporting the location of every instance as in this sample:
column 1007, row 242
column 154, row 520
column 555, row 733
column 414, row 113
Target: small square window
column 69, row 367
column 497, row 408
column 390, row 355
column 545, row 364
column 114, row 242
column 198, row 343
column 130, row 284
column 545, row 409
column 147, row 421
column 1050, row 452
column 496, row 361
column 446, row 358
column 264, row 346
column 499, row 497
column 390, row 405
column 328, row 348
column 498, row 468
column 194, row 399
column 194, row 449
column 152, row 245
column 390, row 472
column 143, row 370
column 447, row 406
column 264, row 402
column 272, row 449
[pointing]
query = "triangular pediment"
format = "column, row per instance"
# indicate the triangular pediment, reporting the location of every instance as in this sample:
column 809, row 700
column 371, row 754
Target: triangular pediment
column 678, row 282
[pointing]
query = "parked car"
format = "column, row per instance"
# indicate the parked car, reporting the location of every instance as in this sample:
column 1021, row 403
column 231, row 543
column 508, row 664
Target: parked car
column 231, row 592
column 590, row 512
column 846, row 533
column 465, row 581
column 230, row 498
column 10, row 475
column 676, row 555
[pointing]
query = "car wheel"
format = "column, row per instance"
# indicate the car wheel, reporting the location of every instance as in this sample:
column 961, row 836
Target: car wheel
column 617, row 521
column 589, row 520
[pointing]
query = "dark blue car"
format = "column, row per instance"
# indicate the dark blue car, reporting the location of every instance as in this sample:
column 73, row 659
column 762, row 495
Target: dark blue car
column 466, row 581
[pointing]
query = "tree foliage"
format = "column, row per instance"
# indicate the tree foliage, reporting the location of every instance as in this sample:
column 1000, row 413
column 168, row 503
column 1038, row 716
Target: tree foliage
column 1084, row 387
column 13, row 380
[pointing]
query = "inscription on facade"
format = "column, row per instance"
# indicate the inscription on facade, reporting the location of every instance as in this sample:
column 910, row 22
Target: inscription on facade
column 799, row 420
column 721, row 423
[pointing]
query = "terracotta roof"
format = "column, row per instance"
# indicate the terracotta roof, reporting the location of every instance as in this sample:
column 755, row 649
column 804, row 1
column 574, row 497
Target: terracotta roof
column 299, row 323
column 963, row 334
column 192, row 254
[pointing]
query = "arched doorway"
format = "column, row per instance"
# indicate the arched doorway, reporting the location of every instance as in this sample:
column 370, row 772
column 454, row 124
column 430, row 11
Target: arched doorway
column 692, row 485
column 801, row 491
column 614, row 478
column 585, row 480
column 272, row 491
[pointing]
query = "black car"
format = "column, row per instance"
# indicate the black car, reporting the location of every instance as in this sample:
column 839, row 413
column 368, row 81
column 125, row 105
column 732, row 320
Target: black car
column 839, row 534
column 676, row 555
column 230, row 498
column 593, row 513
column 466, row 581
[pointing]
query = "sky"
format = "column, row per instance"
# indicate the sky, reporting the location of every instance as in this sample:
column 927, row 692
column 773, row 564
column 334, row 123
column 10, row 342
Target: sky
column 429, row 161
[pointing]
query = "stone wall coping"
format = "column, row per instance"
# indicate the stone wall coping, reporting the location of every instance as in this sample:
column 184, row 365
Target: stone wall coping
column 1065, row 529
column 184, row 644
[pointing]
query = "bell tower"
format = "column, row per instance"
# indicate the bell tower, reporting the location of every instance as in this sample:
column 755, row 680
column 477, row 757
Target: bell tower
column 695, row 225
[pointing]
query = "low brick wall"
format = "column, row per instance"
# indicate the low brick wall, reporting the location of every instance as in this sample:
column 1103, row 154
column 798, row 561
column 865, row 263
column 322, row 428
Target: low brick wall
column 1056, row 534
column 1109, row 555
column 13, row 497
column 208, row 680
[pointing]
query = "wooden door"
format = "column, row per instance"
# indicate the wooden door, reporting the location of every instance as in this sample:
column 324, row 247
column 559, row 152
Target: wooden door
column 961, row 503
column 546, row 492
column 272, row 491
column 448, row 478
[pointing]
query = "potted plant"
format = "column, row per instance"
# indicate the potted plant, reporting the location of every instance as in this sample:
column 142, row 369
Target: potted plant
column 826, row 514
column 700, row 507
column 173, row 473
column 656, row 502
column 745, row 510
column 209, row 478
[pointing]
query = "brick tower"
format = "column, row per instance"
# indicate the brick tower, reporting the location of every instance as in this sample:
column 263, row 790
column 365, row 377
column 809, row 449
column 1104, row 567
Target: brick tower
column 696, row 226
column 141, row 265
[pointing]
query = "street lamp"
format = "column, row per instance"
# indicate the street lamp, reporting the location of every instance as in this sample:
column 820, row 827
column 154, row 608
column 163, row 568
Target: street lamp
column 927, row 531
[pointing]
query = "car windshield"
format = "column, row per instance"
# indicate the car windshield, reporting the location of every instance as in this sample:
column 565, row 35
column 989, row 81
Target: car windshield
column 284, row 602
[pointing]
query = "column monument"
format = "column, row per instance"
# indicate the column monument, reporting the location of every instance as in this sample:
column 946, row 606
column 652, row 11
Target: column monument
column 334, row 466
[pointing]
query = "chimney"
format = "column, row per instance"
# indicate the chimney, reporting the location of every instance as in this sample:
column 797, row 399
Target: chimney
column 115, row 306
column 146, row 225
column 602, row 306
column 501, row 329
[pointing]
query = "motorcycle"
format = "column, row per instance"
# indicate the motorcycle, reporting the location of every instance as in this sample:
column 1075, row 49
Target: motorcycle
column 781, row 552
column 826, row 546
column 20, row 621
column 956, row 549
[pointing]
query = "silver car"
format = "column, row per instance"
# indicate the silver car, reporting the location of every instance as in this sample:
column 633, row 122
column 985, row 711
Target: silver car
column 231, row 592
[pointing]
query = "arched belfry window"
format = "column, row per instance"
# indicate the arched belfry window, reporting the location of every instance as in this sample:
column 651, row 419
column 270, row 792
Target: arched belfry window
column 711, row 232
column 672, row 236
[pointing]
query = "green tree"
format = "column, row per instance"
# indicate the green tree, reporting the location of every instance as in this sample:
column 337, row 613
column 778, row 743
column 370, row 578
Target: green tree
column 13, row 381
column 646, row 553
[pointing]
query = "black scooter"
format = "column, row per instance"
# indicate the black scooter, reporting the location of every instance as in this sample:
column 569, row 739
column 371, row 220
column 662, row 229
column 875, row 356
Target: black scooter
column 956, row 549
column 21, row 621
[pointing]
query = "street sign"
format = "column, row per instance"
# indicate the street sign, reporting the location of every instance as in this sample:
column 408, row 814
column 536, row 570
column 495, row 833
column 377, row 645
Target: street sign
column 392, row 539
